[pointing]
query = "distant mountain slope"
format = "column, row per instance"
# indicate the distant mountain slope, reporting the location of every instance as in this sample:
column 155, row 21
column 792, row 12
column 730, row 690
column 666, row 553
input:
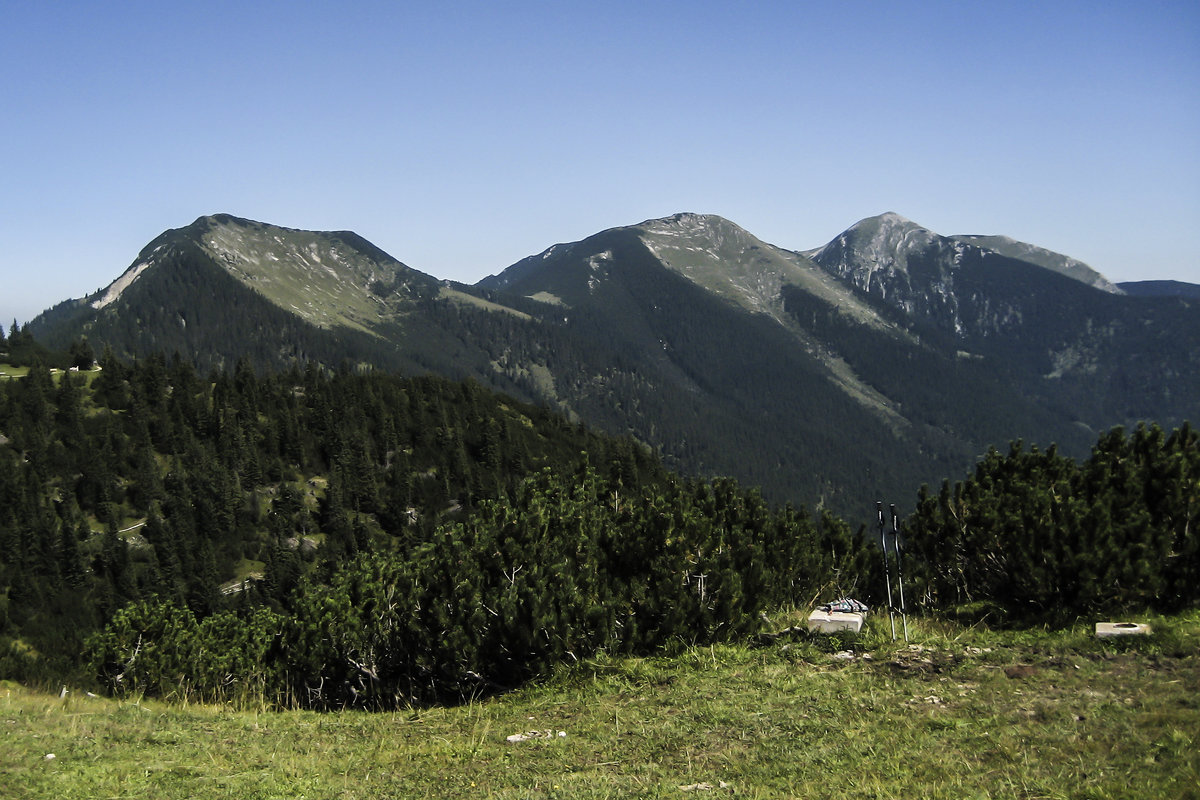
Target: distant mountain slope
column 327, row 279
column 889, row 357
column 1090, row 355
column 1056, row 262
column 916, row 272
column 938, row 336
column 1161, row 289
column 722, row 259
column 687, row 368
column 224, row 288
column 728, row 261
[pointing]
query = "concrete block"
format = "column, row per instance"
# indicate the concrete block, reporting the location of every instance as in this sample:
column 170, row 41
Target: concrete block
column 834, row 621
column 1106, row 629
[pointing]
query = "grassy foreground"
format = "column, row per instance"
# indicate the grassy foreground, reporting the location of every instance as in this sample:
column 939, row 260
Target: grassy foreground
column 965, row 713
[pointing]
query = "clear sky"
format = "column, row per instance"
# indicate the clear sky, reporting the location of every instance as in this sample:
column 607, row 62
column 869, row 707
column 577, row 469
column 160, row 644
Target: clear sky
column 463, row 136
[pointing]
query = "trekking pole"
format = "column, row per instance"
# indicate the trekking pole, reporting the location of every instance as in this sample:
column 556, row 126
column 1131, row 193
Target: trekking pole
column 886, row 575
column 899, row 572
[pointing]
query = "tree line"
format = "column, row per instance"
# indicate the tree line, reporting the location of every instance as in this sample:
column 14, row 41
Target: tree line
column 1034, row 536
column 568, row 566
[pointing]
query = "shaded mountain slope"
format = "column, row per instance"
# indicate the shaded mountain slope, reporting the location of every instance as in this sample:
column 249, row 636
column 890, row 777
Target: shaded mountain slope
column 1161, row 289
column 1090, row 355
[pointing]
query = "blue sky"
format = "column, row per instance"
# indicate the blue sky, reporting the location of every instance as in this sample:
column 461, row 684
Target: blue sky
column 461, row 137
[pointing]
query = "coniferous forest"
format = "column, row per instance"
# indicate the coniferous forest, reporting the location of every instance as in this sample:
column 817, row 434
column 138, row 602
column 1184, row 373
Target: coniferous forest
column 329, row 538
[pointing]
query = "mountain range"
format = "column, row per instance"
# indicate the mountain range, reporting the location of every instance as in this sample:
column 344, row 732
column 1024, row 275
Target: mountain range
column 891, row 356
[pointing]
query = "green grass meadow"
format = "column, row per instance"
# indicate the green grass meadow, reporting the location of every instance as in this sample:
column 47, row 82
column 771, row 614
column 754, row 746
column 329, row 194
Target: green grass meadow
column 959, row 713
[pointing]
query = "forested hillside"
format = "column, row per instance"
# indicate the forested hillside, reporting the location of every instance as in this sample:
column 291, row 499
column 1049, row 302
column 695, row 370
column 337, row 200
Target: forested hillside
column 316, row 538
column 149, row 479
column 236, row 499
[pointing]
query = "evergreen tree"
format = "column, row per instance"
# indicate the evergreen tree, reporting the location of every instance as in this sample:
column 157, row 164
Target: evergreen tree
column 81, row 354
